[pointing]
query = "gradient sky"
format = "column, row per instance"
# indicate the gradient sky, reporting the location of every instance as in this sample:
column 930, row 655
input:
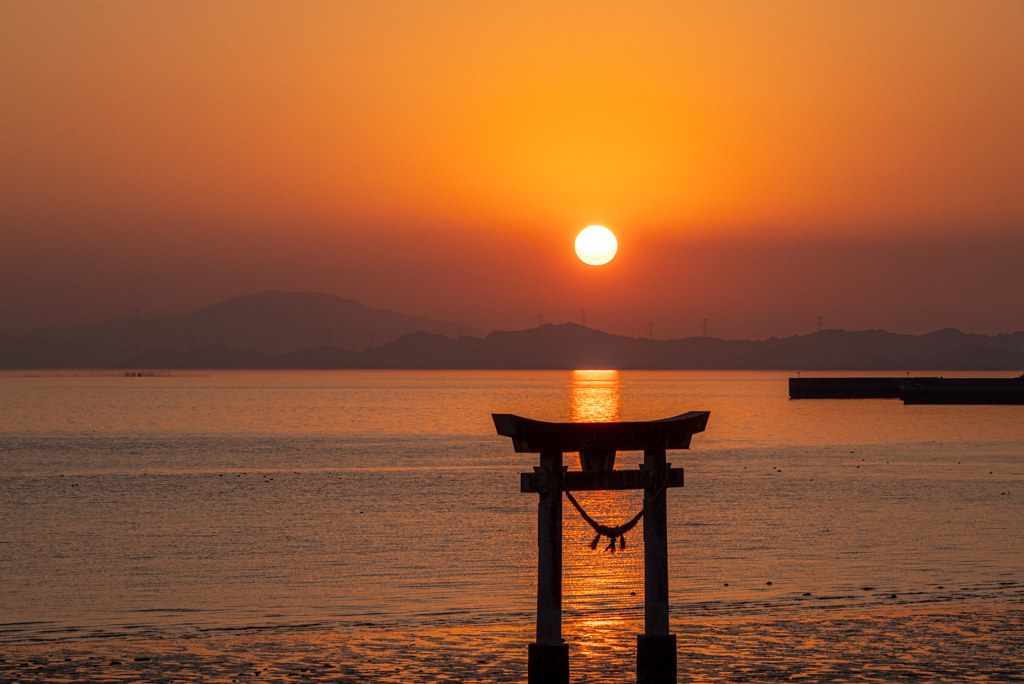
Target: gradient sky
column 760, row 163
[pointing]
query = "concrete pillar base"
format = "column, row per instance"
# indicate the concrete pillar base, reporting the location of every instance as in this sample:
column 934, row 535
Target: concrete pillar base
column 656, row 659
column 548, row 664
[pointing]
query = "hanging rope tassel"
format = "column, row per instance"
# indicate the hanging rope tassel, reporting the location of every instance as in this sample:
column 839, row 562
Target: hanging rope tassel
column 612, row 533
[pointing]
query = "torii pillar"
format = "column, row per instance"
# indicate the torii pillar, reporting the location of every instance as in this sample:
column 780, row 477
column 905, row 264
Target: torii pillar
column 597, row 444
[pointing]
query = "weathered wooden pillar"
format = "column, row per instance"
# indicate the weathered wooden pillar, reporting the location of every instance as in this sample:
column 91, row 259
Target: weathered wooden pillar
column 655, row 648
column 548, row 658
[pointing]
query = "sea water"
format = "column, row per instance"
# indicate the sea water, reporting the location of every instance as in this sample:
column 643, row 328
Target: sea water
column 164, row 504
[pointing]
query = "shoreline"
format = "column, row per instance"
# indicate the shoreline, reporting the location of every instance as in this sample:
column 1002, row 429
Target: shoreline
column 982, row 640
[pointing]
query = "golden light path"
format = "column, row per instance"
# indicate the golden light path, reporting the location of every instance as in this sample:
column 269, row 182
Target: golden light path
column 595, row 396
column 606, row 589
column 596, row 245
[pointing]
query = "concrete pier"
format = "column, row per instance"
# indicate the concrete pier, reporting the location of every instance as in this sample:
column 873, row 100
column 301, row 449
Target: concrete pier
column 920, row 390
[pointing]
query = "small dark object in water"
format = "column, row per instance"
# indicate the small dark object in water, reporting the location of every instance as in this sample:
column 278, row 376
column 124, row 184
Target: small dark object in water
column 807, row 593
column 142, row 659
column 726, row 584
column 869, row 588
column 893, row 596
column 768, row 583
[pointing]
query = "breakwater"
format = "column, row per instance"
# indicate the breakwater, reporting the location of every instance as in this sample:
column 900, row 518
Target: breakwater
column 927, row 390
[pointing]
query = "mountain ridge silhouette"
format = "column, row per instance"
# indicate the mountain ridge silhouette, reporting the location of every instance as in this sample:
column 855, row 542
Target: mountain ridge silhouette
column 565, row 346
column 271, row 322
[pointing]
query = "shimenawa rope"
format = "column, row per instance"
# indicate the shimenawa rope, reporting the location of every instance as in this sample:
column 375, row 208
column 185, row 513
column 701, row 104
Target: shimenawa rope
column 603, row 530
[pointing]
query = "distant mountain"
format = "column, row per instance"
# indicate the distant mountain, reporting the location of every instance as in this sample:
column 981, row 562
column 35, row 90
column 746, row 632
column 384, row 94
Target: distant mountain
column 315, row 330
column 220, row 356
column 570, row 346
column 269, row 323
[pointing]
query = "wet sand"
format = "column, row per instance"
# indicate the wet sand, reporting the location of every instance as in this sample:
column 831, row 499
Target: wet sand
column 955, row 644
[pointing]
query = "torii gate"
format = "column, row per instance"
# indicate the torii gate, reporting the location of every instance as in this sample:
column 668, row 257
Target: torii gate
column 597, row 444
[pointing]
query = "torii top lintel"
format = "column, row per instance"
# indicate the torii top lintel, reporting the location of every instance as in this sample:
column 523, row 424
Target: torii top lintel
column 535, row 436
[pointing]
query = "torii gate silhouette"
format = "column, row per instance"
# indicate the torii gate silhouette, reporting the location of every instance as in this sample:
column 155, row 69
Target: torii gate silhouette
column 597, row 444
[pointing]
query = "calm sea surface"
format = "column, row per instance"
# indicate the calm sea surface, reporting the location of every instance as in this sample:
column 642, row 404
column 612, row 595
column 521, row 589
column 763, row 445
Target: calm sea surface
column 230, row 500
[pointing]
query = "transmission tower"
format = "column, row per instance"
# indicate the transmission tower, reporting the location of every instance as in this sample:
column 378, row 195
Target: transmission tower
column 584, row 319
column 650, row 331
column 540, row 320
column 821, row 323
column 704, row 327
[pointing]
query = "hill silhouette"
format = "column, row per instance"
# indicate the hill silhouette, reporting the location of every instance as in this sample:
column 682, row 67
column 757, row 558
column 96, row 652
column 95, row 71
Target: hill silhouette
column 569, row 346
column 270, row 323
column 315, row 330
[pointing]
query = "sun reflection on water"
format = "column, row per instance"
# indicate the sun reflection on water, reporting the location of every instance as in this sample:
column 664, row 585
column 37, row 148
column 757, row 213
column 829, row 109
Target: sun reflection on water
column 605, row 637
column 595, row 396
column 606, row 589
column 595, row 581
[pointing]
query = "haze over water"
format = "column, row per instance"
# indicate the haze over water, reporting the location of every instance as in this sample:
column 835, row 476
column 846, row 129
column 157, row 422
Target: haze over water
column 229, row 500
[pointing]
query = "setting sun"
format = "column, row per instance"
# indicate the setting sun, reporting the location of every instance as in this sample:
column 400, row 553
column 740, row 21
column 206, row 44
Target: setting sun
column 596, row 245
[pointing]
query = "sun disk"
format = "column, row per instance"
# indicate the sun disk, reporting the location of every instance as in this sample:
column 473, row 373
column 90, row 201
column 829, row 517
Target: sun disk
column 596, row 245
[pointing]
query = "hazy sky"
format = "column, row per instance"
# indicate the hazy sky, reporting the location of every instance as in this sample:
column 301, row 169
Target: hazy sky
column 761, row 163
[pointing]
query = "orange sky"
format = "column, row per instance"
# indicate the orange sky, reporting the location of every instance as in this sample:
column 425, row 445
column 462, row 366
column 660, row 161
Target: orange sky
column 761, row 163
